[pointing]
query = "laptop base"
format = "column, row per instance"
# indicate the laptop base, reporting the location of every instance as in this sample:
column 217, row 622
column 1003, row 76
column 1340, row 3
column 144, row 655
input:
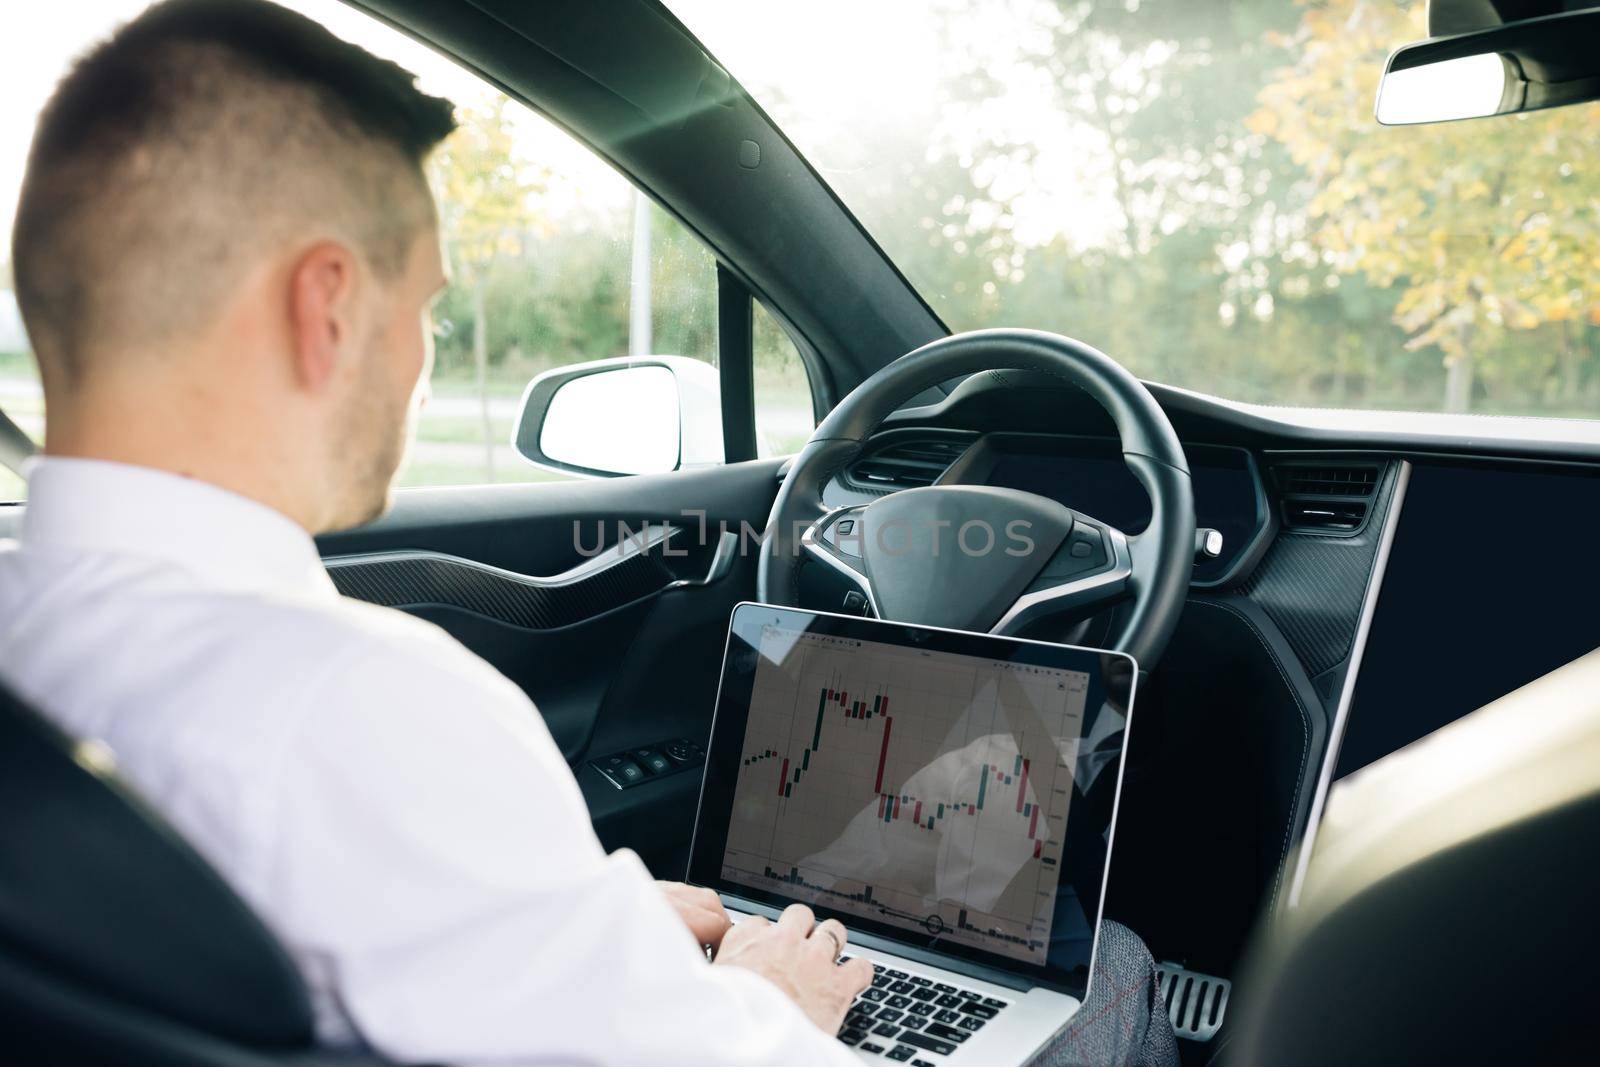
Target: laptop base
column 917, row 1011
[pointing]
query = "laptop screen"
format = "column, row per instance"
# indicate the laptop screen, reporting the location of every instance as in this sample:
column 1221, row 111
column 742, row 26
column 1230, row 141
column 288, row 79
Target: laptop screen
column 947, row 790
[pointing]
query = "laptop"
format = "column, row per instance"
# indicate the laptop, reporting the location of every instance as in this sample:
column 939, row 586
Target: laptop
column 950, row 797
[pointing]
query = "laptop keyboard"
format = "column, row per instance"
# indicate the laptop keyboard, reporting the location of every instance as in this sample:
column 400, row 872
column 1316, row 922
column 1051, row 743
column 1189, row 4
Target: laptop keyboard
column 910, row 1018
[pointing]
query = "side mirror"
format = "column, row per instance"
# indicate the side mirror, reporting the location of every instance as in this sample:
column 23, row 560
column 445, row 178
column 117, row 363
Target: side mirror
column 1519, row 66
column 633, row 415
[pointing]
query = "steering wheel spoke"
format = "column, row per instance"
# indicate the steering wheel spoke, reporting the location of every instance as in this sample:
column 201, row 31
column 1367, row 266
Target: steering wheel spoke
column 835, row 541
column 1091, row 570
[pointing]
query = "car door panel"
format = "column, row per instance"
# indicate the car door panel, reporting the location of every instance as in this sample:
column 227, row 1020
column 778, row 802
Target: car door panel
column 618, row 648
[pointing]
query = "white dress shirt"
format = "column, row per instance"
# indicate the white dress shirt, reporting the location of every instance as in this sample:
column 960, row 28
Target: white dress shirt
column 390, row 805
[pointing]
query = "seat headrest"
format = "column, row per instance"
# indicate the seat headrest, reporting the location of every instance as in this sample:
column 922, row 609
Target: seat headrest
column 1447, row 913
column 96, row 888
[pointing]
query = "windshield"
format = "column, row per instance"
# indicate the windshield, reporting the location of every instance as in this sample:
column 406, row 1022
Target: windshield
column 1200, row 190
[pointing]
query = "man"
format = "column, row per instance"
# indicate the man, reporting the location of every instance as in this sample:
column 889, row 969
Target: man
column 225, row 253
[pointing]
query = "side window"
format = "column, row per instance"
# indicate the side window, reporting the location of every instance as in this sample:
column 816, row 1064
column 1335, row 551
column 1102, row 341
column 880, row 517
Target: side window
column 784, row 412
column 556, row 260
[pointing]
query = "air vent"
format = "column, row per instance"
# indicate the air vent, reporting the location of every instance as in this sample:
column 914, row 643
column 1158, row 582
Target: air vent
column 1341, row 515
column 1294, row 479
column 1333, row 498
column 906, row 464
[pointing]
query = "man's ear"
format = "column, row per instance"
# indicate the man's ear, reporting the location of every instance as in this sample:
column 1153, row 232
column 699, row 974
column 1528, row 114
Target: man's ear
column 322, row 296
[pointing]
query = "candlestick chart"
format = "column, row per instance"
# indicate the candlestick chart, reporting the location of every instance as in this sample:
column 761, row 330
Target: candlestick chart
column 926, row 792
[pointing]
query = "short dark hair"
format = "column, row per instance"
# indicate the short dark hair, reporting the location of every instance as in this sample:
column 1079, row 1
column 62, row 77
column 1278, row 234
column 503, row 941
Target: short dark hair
column 196, row 131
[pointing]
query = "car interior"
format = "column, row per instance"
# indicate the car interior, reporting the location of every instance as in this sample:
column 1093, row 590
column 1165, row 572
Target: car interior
column 1320, row 600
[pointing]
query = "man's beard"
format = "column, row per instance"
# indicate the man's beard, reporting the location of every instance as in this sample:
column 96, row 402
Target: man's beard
column 372, row 450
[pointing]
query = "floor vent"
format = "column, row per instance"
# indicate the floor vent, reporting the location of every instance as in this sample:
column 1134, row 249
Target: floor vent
column 1196, row 1002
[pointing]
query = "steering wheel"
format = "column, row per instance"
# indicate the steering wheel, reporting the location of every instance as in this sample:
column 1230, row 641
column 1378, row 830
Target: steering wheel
column 974, row 557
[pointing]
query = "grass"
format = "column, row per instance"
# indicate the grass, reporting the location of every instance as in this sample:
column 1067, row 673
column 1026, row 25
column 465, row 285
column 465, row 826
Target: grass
column 455, row 429
column 427, row 473
column 17, row 365
column 451, row 385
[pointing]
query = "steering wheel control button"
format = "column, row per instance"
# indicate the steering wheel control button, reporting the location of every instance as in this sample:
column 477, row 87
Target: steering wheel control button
column 844, row 536
column 1080, row 549
column 855, row 603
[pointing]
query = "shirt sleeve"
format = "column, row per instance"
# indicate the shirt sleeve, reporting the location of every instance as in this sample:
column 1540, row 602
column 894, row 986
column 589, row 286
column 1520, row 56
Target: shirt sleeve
column 432, row 852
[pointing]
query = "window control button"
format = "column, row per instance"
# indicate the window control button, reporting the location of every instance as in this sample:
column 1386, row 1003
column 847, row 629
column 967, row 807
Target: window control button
column 623, row 772
column 652, row 761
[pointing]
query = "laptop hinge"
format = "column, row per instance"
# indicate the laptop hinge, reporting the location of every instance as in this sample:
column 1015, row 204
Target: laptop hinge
column 911, row 952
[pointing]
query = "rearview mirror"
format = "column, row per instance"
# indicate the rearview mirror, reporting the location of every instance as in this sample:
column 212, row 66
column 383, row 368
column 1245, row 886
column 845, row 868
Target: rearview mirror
column 644, row 415
column 1519, row 66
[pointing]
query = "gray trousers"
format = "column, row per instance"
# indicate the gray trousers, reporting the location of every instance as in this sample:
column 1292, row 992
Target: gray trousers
column 1124, row 1021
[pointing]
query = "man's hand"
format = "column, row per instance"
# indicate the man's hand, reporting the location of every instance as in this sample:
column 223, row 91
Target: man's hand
column 701, row 911
column 797, row 955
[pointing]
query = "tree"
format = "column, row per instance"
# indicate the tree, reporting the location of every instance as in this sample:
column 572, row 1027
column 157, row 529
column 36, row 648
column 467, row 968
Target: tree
column 1486, row 228
column 484, row 191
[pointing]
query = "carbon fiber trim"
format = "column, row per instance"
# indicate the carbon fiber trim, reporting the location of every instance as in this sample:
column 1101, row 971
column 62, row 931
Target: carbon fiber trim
column 415, row 579
column 1312, row 586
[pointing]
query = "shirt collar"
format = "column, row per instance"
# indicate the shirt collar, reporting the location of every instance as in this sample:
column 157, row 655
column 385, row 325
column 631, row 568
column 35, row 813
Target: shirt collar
column 225, row 539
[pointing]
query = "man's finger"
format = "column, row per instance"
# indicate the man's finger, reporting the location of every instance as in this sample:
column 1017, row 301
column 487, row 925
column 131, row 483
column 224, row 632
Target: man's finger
column 855, row 975
column 830, row 937
column 707, row 926
column 797, row 920
column 746, row 928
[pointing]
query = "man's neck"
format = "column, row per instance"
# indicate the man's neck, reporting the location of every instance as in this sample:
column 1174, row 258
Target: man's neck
column 192, row 447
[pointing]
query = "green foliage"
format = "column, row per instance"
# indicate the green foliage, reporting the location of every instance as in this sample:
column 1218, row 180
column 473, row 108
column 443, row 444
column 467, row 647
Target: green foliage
column 1249, row 229
column 1484, row 230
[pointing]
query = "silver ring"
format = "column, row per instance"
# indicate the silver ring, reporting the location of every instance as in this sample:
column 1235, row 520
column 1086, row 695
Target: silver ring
column 838, row 946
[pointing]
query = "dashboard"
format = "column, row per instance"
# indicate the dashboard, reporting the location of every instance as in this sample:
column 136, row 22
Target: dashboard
column 1082, row 472
column 1088, row 475
column 1395, row 581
